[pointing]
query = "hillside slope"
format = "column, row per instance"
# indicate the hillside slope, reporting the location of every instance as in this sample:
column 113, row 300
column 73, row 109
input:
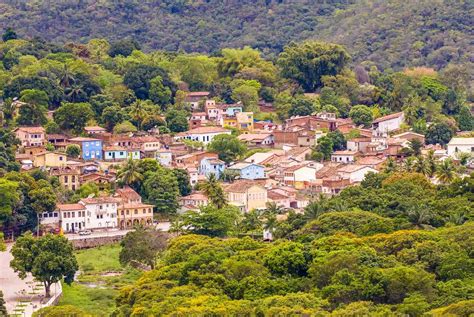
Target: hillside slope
column 391, row 33
column 394, row 33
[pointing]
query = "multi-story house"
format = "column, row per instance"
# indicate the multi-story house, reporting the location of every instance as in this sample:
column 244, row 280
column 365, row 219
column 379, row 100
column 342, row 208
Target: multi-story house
column 246, row 195
column 68, row 176
column 382, row 126
column 244, row 121
column 31, row 136
column 49, row 159
column 211, row 165
column 91, row 148
column 193, row 98
column 101, row 212
column 456, row 145
column 131, row 210
column 88, row 213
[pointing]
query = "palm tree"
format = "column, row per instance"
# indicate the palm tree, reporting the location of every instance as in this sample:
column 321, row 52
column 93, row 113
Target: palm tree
column 315, row 208
column 130, row 173
column 445, row 171
column 390, row 166
column 273, row 208
column 251, row 221
column 66, row 79
column 420, row 166
column 420, row 215
column 430, row 163
column 408, row 164
column 138, row 113
column 463, row 157
column 75, row 93
column 213, row 190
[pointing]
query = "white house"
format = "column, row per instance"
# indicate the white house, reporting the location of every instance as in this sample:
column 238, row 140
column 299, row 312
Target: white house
column 101, row 212
column 383, row 125
column 344, row 156
column 355, row 173
column 165, row 157
column 204, row 134
column 457, row 145
column 72, row 217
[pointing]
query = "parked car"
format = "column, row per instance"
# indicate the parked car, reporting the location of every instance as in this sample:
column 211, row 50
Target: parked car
column 85, row 232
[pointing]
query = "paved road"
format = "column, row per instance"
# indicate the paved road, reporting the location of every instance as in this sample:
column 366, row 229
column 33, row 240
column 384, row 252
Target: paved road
column 16, row 290
column 163, row 226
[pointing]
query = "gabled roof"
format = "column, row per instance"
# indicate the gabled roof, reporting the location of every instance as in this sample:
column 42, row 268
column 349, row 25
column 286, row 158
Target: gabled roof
column 388, row 117
column 100, row 200
column 94, row 128
column 461, row 141
column 241, row 186
column 254, row 136
column 70, row 207
column 198, row 94
column 352, row 168
column 242, row 165
column 31, row 129
column 82, row 139
column 204, row 130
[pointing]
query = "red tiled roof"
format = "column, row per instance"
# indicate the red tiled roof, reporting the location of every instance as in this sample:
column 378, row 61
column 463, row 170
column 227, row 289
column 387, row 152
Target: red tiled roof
column 388, row 117
column 100, row 200
column 68, row 207
column 31, row 129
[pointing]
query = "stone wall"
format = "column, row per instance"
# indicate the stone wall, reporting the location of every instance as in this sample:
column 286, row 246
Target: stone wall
column 95, row 241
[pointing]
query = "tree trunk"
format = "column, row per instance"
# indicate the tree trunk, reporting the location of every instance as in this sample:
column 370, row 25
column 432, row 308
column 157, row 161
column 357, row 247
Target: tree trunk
column 47, row 287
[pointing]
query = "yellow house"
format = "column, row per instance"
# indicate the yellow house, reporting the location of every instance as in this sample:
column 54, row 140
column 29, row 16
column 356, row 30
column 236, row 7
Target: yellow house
column 247, row 195
column 49, row 159
column 229, row 122
column 244, row 121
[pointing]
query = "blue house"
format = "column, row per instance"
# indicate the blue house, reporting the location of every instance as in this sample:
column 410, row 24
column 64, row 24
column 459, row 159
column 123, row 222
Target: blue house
column 114, row 153
column 233, row 110
column 211, row 166
column 248, row 170
column 117, row 153
column 91, row 148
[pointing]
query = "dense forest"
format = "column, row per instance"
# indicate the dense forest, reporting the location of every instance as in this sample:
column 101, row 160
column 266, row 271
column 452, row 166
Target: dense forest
column 388, row 33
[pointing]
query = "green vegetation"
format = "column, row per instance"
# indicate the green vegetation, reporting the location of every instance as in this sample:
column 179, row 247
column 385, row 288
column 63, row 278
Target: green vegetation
column 388, row 33
column 101, row 277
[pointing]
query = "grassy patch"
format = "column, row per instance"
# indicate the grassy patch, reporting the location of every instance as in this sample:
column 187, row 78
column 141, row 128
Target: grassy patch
column 100, row 259
column 95, row 290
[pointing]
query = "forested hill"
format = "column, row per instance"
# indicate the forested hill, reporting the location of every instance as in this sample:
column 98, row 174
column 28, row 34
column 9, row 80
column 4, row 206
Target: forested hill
column 399, row 33
column 394, row 33
column 190, row 25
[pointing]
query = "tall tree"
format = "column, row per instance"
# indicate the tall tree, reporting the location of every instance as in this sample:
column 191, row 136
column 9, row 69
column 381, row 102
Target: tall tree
column 445, row 171
column 49, row 259
column 213, row 190
column 228, row 147
column 130, row 174
column 142, row 246
column 162, row 189
column 307, row 62
column 73, row 116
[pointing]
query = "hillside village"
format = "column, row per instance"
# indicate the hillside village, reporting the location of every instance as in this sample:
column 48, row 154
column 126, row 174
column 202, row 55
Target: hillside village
column 172, row 183
column 281, row 171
